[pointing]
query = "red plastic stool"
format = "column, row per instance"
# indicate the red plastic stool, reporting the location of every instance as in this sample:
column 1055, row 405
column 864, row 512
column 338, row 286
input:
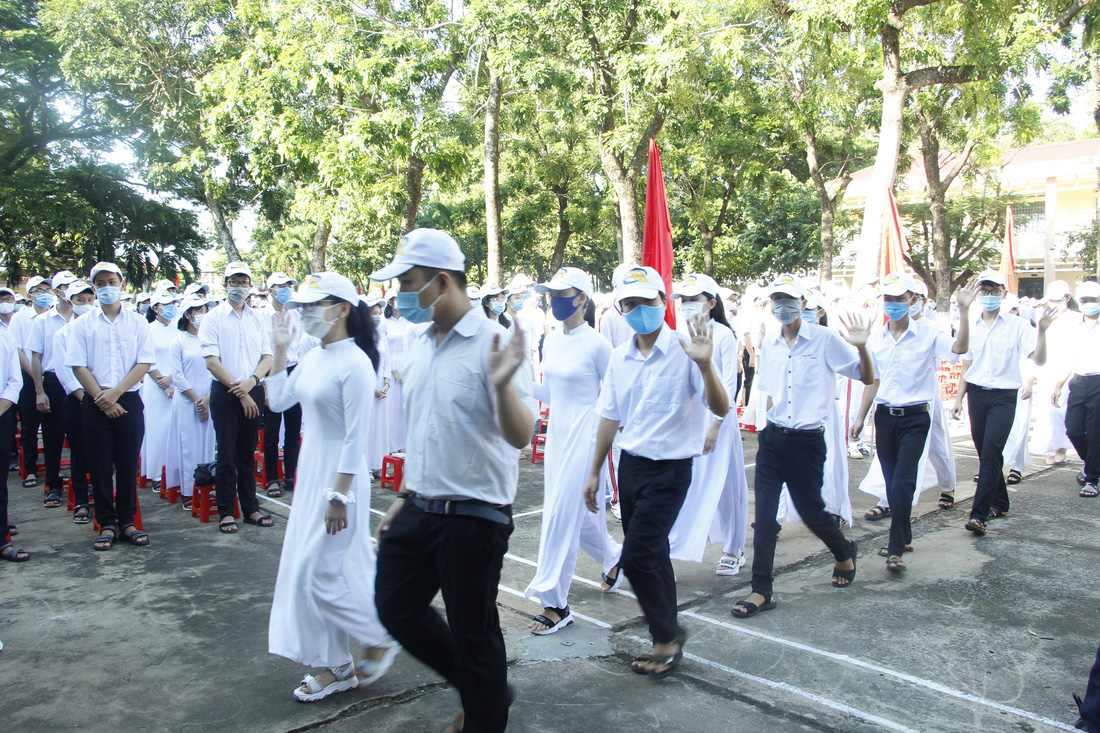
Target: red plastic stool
column 397, row 462
column 72, row 495
column 538, row 443
column 204, row 503
column 137, row 518
column 171, row 493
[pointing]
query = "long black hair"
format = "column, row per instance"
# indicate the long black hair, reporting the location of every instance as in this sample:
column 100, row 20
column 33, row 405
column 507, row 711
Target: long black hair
column 150, row 314
column 501, row 319
column 718, row 312
column 183, row 323
column 361, row 328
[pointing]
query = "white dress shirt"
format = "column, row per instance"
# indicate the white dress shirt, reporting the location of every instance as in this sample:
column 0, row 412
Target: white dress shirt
column 1086, row 349
column 655, row 399
column 239, row 340
column 614, row 328
column 11, row 375
column 44, row 328
column 110, row 349
column 61, row 346
column 995, row 351
column 455, row 449
column 800, row 379
column 906, row 368
column 20, row 328
column 293, row 351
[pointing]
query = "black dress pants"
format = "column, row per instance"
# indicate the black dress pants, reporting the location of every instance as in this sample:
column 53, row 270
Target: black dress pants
column 1083, row 422
column 53, row 431
column 7, row 431
column 29, row 420
column 78, row 456
column 113, row 447
column 292, row 417
column 650, row 496
column 796, row 458
column 459, row 556
column 235, row 436
column 900, row 441
column 991, row 414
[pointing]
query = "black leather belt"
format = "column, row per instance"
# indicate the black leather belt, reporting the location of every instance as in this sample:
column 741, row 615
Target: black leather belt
column 904, row 411
column 796, row 431
column 464, row 508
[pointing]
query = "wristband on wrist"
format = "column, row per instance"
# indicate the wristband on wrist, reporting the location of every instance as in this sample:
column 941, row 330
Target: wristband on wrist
column 720, row 419
column 402, row 495
column 331, row 495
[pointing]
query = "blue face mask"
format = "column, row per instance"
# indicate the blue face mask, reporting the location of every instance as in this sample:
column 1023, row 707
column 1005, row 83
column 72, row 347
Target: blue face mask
column 168, row 312
column 915, row 310
column 787, row 310
column 517, row 306
column 108, row 295
column 990, row 302
column 895, row 311
column 44, row 300
column 409, row 305
column 1091, row 309
column 809, row 317
column 562, row 307
column 497, row 306
column 283, row 294
column 645, row 318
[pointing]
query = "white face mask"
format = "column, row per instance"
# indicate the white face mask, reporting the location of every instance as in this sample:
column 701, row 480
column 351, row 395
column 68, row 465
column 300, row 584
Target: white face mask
column 377, row 319
column 6, row 308
column 314, row 323
column 80, row 310
column 690, row 309
column 197, row 319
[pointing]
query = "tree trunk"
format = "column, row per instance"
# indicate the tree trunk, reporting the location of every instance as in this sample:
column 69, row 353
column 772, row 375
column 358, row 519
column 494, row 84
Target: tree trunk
column 1094, row 75
column 828, row 215
column 707, row 237
column 565, row 230
column 222, row 227
column 894, row 93
column 320, row 246
column 493, row 232
column 618, row 217
column 937, row 194
column 414, row 178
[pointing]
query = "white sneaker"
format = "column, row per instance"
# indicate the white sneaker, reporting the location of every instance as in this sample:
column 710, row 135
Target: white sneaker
column 853, row 452
column 616, row 510
column 863, row 448
column 345, row 680
column 373, row 669
column 731, row 564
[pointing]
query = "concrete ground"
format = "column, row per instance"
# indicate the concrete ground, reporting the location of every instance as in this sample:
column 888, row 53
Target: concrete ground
column 990, row 634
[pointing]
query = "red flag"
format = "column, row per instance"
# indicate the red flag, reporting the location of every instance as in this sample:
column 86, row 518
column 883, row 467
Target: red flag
column 894, row 241
column 657, row 235
column 1008, row 254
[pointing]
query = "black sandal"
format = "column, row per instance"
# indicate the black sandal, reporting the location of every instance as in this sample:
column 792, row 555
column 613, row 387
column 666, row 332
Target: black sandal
column 671, row 663
column 30, row 483
column 12, row 530
column 52, row 500
column 106, row 540
column 14, row 554
column 947, row 500
column 894, row 563
column 885, row 551
column 1014, row 477
column 229, row 527
column 751, row 609
column 976, row 526
column 264, row 521
column 186, row 502
column 995, row 513
column 612, row 583
column 274, row 491
column 877, row 513
column 1089, row 491
column 81, row 515
column 137, row 538
column 849, row 575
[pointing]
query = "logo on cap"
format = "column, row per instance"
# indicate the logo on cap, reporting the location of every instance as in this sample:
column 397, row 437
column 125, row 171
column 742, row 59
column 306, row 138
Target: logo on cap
column 313, row 282
column 636, row 275
column 785, row 280
column 560, row 272
column 400, row 251
column 892, row 279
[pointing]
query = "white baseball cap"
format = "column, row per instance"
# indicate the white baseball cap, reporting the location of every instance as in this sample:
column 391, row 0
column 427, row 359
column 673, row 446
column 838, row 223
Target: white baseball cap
column 637, row 281
column 162, row 297
column 104, row 267
column 62, row 279
column 193, row 288
column 898, row 283
column 695, row 284
column 1088, row 289
column 786, row 284
column 126, row 296
column 424, row 248
column 9, row 291
column 237, row 268
column 815, row 299
column 321, row 285
column 922, row 288
column 164, row 285
column 565, row 278
column 76, row 287
column 34, row 281
column 1057, row 290
column 993, row 276
column 489, row 289
column 142, row 297
column 471, row 293
column 192, row 302
column 280, row 278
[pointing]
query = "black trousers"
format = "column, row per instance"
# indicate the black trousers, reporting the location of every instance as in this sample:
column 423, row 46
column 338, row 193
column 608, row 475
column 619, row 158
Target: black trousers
column 29, row 420
column 650, row 496
column 1083, row 422
column 113, row 446
column 798, row 460
column 53, row 431
column 991, row 414
column 900, row 444
column 235, row 437
column 1090, row 706
column 272, row 420
column 423, row 554
column 7, row 432
column 750, row 372
column 73, row 418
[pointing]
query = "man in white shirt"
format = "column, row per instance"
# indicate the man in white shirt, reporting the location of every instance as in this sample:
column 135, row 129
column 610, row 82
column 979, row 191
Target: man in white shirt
column 81, row 296
column 7, row 308
column 10, row 384
column 469, row 408
column 110, row 352
column 991, row 376
column 49, row 394
column 237, row 347
column 280, row 287
column 655, row 386
column 42, row 299
column 905, row 355
column 1083, row 406
column 798, row 368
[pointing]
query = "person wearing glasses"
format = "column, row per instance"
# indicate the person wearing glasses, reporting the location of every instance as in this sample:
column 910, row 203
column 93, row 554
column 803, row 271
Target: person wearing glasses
column 992, row 379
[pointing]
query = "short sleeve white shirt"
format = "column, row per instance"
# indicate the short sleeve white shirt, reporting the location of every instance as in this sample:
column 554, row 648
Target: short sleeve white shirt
column 110, row 349
column 800, row 378
column 239, row 340
column 995, row 351
column 1086, row 348
column 41, row 339
column 906, row 367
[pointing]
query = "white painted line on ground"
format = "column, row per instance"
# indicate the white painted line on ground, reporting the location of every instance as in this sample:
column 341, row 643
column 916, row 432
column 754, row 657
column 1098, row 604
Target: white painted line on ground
column 527, row 514
column 581, row 616
column 273, row 501
column 912, row 679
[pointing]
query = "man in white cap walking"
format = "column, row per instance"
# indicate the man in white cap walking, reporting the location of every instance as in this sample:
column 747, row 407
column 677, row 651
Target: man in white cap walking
column 40, row 292
column 469, row 407
column 280, row 287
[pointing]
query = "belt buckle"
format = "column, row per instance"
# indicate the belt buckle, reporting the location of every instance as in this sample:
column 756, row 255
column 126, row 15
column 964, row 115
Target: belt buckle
column 896, row 411
column 448, row 506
